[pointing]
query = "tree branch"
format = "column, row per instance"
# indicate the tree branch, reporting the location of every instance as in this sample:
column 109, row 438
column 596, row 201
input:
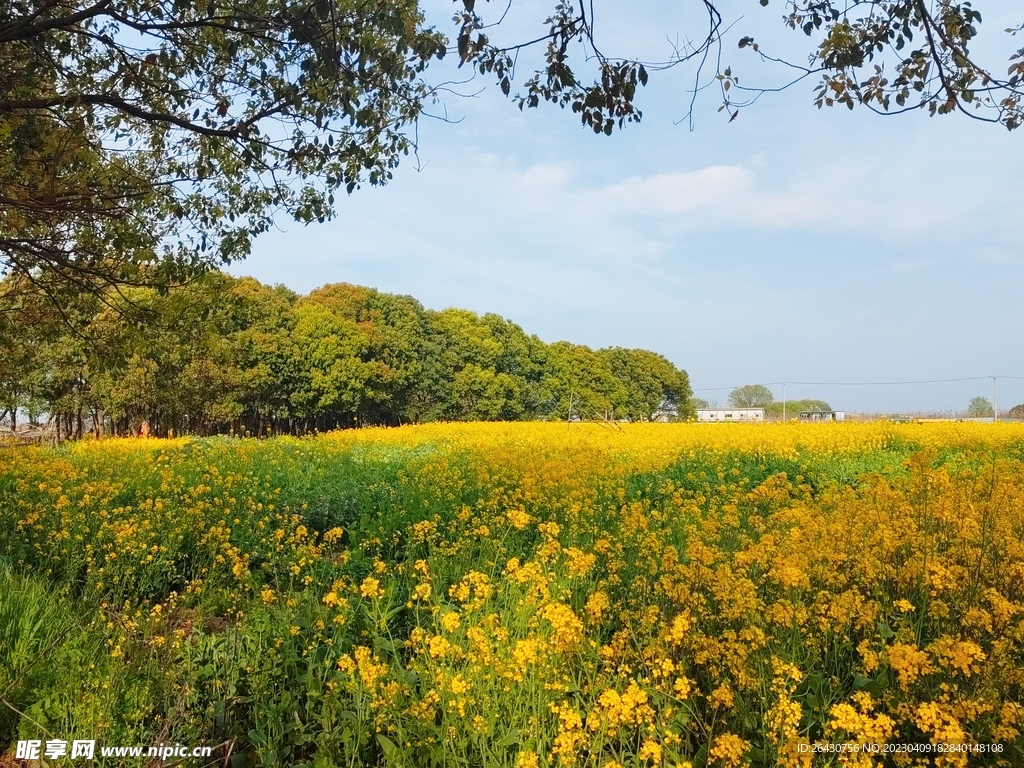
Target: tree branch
column 22, row 31
column 115, row 102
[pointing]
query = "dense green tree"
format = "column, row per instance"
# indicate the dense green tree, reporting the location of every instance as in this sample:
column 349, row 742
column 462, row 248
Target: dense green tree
column 330, row 351
column 650, row 384
column 581, row 383
column 262, row 348
column 22, row 321
column 170, row 368
column 481, row 367
column 484, row 394
column 49, row 367
column 144, row 139
column 391, row 332
column 699, row 403
column 980, row 407
column 751, row 396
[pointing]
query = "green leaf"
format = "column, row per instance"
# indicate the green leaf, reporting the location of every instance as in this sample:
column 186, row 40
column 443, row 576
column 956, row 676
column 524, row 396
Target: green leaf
column 257, row 737
column 386, row 745
column 512, row 737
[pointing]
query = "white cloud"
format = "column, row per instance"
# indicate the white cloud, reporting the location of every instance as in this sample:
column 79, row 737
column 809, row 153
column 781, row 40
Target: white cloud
column 648, row 215
column 675, row 194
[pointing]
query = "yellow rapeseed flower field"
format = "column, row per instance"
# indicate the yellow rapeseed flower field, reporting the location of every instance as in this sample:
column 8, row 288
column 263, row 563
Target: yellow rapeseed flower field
column 530, row 594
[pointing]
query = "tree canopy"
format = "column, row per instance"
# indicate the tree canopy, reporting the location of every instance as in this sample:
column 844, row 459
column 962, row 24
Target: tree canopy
column 980, row 407
column 146, row 141
column 223, row 354
column 750, row 396
column 927, row 47
column 792, row 408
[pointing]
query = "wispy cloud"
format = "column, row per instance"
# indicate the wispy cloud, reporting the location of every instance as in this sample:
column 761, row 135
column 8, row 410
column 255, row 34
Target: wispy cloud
column 664, row 206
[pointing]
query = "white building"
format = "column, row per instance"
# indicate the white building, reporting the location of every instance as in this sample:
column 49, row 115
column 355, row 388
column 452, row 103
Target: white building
column 822, row 415
column 730, row 414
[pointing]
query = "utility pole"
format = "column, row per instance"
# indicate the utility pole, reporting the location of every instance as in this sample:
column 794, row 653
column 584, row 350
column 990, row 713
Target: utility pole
column 783, row 401
column 995, row 406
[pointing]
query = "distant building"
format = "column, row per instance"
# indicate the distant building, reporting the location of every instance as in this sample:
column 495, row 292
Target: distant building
column 822, row 415
column 730, row 414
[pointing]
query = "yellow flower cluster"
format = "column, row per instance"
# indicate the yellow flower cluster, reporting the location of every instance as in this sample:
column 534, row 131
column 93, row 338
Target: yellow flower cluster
column 578, row 594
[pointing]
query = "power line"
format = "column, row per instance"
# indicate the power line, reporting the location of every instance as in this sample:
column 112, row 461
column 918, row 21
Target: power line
column 862, row 383
column 884, row 383
column 715, row 389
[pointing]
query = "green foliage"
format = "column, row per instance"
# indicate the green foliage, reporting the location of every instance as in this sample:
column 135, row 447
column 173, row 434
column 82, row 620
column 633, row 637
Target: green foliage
column 480, row 368
column 980, row 407
column 793, row 407
column 57, row 674
column 651, row 383
column 32, row 628
column 614, row 383
column 231, row 355
column 750, row 396
column 144, row 140
column 935, row 67
column 902, row 55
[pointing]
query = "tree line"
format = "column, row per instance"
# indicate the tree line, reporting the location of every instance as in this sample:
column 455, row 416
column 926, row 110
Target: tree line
column 232, row 355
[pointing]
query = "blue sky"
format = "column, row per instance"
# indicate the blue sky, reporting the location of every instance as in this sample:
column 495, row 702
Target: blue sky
column 790, row 245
